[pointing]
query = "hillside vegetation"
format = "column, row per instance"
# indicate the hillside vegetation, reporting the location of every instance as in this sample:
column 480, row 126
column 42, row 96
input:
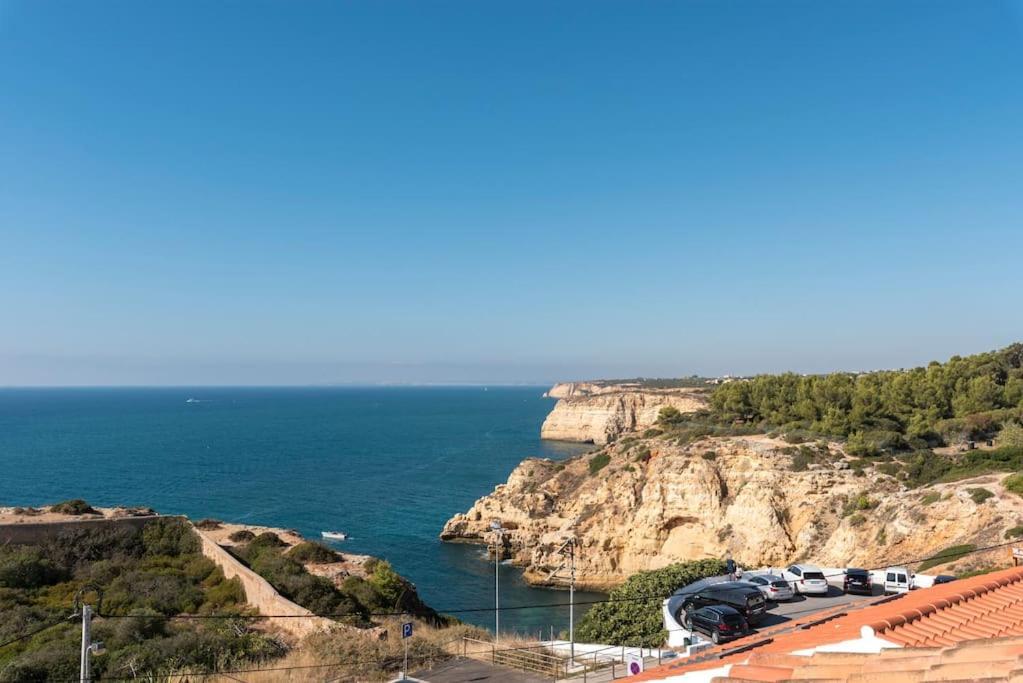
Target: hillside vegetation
column 353, row 602
column 969, row 397
column 145, row 577
column 893, row 419
column 632, row 614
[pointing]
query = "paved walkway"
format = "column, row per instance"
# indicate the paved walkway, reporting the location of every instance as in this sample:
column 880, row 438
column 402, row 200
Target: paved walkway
column 463, row 670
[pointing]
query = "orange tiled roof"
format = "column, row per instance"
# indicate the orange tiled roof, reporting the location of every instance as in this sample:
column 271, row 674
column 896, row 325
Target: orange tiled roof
column 985, row 606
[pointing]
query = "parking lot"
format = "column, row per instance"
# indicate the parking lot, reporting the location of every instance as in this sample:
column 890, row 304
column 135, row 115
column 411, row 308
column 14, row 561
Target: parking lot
column 778, row 613
column 803, row 605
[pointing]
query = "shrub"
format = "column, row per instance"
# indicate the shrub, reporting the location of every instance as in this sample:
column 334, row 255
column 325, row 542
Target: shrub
column 75, row 506
column 72, row 549
column 242, row 536
column 27, row 568
column 1011, row 435
column 979, row 495
column 669, row 416
column 950, row 554
column 652, row 432
column 858, row 504
column 169, row 536
column 857, row 519
column 267, row 539
column 208, row 524
column 930, row 498
column 710, row 455
column 890, row 468
column 599, row 462
column 633, row 613
column 1014, row 532
column 308, row 552
column 1014, row 483
column 642, row 455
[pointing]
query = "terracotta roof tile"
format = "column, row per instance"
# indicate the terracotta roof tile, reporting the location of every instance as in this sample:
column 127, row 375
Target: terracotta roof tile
column 980, row 607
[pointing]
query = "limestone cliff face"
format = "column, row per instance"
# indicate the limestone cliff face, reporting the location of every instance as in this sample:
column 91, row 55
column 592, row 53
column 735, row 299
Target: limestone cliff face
column 656, row 503
column 602, row 417
column 573, row 389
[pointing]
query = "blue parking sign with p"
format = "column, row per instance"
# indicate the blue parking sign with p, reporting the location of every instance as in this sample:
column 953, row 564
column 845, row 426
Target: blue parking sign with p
column 406, row 630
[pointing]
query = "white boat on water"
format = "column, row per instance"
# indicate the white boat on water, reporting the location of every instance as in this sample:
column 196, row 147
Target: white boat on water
column 334, row 535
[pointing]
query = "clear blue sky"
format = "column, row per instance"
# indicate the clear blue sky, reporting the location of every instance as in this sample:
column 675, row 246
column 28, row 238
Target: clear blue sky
column 295, row 192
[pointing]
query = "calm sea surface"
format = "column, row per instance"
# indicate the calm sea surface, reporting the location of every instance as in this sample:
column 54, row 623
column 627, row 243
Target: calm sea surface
column 387, row 465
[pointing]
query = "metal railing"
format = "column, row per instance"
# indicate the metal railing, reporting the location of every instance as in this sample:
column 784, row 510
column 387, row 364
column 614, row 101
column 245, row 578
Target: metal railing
column 531, row 659
column 536, row 659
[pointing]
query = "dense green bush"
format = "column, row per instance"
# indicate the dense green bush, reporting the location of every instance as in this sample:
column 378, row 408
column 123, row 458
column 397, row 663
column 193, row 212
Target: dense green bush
column 632, row 616
column 76, row 506
column 267, row 539
column 1014, row 483
column 669, row 416
column 242, row 536
column 169, row 536
column 979, row 495
column 949, row 554
column 25, row 567
column 599, row 462
column 1011, row 435
column 313, row 553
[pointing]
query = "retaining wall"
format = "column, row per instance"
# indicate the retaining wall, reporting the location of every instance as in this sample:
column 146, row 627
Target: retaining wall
column 261, row 595
column 28, row 533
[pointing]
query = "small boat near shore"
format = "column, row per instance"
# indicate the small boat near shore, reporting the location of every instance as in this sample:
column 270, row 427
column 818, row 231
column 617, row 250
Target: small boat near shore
column 334, row 535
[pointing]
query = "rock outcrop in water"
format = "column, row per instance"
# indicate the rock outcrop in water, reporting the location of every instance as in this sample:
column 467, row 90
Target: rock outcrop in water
column 600, row 414
column 655, row 503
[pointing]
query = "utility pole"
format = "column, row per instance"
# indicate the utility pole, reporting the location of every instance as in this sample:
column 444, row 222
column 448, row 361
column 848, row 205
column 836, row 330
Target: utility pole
column 498, row 546
column 571, row 598
column 89, row 648
column 84, row 668
column 567, row 550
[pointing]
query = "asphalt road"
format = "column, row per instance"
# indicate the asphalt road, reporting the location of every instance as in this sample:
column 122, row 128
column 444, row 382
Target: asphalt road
column 804, row 605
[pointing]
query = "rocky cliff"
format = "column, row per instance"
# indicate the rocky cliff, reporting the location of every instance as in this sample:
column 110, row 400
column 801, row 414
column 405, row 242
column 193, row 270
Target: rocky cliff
column 755, row 498
column 573, row 389
column 603, row 415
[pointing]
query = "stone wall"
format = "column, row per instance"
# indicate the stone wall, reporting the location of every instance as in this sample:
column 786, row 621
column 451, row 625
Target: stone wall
column 261, row 595
column 28, row 533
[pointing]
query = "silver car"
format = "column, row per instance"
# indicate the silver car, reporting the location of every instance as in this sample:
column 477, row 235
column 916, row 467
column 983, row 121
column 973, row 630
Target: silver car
column 774, row 588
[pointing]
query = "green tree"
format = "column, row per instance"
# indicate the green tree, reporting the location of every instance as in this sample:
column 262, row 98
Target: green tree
column 632, row 616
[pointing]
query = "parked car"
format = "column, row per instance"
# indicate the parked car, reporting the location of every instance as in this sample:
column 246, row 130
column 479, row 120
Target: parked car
column 943, row 578
column 720, row 622
column 858, row 581
column 806, row 579
column 773, row 587
column 743, row 597
column 897, row 580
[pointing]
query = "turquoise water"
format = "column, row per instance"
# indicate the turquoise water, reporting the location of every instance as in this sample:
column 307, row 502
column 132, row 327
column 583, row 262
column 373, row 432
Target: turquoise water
column 387, row 465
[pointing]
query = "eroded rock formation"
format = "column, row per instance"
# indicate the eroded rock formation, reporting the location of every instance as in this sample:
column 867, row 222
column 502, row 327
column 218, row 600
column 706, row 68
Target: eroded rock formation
column 655, row 503
column 604, row 416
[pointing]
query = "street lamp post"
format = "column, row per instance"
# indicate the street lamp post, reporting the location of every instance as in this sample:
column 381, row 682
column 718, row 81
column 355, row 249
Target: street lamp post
column 498, row 530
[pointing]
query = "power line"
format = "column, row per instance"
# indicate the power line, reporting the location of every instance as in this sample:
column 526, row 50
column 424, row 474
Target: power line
column 33, row 633
column 469, row 610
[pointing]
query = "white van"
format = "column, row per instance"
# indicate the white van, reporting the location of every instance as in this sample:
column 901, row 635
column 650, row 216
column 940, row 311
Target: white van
column 897, row 580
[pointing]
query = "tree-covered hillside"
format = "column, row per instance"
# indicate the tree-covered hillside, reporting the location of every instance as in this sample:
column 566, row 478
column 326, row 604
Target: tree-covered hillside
column 943, row 403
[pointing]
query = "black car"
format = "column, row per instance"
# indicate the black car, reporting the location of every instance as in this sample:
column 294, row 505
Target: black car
column 743, row 597
column 720, row 622
column 858, row 581
column 943, row 578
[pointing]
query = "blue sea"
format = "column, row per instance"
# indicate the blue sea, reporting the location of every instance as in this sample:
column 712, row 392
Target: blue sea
column 387, row 465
